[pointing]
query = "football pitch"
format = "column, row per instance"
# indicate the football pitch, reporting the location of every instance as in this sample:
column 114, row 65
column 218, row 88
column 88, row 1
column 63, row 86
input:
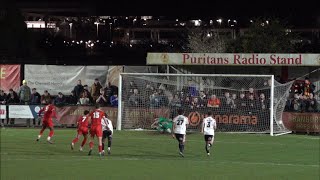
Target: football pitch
column 149, row 155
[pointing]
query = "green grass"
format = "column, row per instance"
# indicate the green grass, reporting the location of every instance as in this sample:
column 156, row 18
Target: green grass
column 148, row 155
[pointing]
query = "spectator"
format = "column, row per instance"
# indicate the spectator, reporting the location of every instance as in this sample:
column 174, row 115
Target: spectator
column 185, row 90
column 308, row 87
column 95, row 89
column 203, row 99
column 78, row 89
column 135, row 99
column 108, row 92
column 84, row 98
column 195, row 103
column 60, row 100
column 113, row 88
column 176, row 102
column 46, row 98
column 226, row 100
column 303, row 103
column 72, row 99
column 114, row 100
column 252, row 103
column 164, row 100
column 147, row 93
column 24, row 93
column 187, row 102
column 132, row 86
column 263, row 103
column 297, row 87
column 296, row 103
column 3, row 97
column 155, row 100
column 242, row 102
column 312, row 104
column 12, row 97
column 102, row 99
column 234, row 101
column 214, row 102
column 266, row 88
column 35, row 97
column 86, row 89
column 253, row 93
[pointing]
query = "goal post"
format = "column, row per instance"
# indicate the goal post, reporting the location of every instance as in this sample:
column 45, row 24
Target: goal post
column 240, row 103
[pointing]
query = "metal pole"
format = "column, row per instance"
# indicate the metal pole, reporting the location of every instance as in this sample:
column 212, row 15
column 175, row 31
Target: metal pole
column 119, row 103
column 271, row 105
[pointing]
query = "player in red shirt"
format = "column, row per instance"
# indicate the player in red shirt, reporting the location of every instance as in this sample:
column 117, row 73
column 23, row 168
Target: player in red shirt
column 49, row 112
column 82, row 130
column 96, row 128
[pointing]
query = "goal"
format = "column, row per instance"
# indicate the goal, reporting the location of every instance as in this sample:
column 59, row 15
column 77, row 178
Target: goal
column 239, row 103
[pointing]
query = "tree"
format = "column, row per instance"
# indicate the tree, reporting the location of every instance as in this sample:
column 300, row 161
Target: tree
column 265, row 37
column 205, row 41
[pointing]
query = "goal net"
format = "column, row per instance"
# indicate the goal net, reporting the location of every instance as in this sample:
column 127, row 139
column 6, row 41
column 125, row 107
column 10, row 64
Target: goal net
column 240, row 103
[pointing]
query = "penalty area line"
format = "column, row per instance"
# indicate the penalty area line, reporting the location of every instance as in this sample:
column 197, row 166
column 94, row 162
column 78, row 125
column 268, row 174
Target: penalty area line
column 146, row 159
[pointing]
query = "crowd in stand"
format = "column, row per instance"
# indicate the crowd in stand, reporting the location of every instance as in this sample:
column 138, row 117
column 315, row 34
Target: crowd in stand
column 190, row 97
column 80, row 95
column 302, row 98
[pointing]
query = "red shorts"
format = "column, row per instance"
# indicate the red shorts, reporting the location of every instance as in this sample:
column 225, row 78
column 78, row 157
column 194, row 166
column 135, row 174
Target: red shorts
column 96, row 131
column 47, row 124
column 83, row 130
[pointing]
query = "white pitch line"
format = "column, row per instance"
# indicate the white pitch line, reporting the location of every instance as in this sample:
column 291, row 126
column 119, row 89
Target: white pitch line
column 201, row 161
column 311, row 138
column 226, row 142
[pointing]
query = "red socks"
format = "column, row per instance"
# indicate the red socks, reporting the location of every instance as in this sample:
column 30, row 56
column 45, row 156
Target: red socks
column 41, row 131
column 75, row 140
column 83, row 142
column 91, row 145
column 51, row 133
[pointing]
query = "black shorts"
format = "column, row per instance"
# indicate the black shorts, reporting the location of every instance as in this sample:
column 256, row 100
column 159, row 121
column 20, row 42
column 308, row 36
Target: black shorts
column 208, row 137
column 107, row 134
column 179, row 136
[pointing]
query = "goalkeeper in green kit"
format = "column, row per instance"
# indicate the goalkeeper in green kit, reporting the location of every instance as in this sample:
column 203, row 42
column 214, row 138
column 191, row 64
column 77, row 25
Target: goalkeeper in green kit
column 162, row 124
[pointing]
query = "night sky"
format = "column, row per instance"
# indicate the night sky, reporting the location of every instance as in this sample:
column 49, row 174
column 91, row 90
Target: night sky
column 196, row 7
column 306, row 12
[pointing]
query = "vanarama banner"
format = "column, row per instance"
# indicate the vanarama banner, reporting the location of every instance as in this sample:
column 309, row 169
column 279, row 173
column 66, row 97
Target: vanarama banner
column 235, row 59
column 302, row 122
column 226, row 121
column 9, row 77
